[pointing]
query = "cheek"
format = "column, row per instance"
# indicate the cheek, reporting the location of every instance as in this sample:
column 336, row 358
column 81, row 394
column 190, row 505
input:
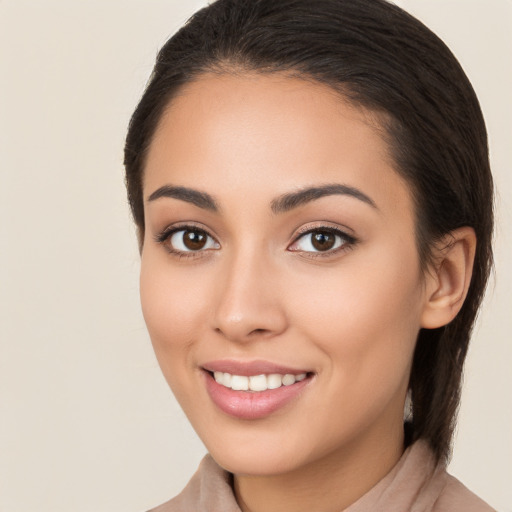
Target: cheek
column 365, row 317
column 173, row 309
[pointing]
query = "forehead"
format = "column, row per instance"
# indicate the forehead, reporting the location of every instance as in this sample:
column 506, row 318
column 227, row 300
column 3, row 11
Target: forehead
column 264, row 134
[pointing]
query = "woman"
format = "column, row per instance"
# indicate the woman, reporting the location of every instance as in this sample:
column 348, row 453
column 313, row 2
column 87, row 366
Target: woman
column 311, row 188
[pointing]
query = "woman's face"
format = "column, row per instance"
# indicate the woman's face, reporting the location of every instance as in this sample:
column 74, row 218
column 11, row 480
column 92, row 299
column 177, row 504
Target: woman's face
column 279, row 245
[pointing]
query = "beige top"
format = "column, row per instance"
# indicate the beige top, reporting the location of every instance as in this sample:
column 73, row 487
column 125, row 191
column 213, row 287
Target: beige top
column 415, row 484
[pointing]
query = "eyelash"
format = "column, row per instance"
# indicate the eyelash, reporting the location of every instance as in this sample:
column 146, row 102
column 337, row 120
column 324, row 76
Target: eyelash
column 348, row 241
column 164, row 237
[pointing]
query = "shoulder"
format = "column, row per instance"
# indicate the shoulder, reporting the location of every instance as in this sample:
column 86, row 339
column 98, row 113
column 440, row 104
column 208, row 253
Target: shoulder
column 419, row 484
column 456, row 496
column 437, row 490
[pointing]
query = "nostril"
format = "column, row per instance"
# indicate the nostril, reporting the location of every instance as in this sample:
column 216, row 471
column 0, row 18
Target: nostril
column 258, row 331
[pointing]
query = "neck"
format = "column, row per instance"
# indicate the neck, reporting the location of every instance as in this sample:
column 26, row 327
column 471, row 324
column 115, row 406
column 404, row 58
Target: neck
column 330, row 484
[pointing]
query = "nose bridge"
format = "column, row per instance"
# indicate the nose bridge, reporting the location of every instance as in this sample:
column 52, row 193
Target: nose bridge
column 248, row 302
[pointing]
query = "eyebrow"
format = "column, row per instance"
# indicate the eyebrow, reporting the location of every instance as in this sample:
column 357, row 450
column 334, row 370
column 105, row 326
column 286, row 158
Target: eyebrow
column 281, row 204
column 189, row 195
column 292, row 200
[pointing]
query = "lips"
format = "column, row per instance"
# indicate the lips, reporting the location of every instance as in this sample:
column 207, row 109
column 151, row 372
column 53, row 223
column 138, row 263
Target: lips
column 253, row 390
column 249, row 368
column 256, row 382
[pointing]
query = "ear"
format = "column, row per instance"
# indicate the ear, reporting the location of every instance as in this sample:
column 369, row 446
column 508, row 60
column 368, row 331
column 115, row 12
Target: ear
column 447, row 281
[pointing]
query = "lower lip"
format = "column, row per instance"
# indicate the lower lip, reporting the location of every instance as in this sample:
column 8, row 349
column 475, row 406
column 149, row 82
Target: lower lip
column 250, row 405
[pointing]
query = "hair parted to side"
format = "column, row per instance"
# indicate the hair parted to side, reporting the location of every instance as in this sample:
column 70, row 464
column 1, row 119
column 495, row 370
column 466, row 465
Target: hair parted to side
column 380, row 58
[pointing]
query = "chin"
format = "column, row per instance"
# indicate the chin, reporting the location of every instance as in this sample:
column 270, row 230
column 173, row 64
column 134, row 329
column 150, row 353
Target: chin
column 254, row 463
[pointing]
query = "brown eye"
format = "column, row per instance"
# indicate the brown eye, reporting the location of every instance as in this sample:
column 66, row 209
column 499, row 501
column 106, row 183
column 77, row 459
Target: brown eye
column 323, row 241
column 194, row 240
column 190, row 240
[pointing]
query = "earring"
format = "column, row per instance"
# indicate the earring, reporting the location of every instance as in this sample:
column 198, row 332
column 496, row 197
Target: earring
column 408, row 407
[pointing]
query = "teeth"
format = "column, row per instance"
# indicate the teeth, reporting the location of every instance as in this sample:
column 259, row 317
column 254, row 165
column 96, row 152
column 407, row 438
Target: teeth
column 288, row 379
column 239, row 383
column 226, row 380
column 256, row 382
column 274, row 381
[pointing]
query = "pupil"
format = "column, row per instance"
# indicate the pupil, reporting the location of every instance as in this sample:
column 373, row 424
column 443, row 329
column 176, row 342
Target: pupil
column 323, row 241
column 194, row 240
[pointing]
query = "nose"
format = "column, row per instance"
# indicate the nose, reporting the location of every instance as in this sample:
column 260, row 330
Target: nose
column 248, row 302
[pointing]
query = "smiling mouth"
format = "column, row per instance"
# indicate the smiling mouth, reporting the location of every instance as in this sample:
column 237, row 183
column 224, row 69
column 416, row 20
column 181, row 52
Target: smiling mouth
column 252, row 397
column 256, row 383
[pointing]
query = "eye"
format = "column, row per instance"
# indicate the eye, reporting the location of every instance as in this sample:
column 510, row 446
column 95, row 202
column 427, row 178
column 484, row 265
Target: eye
column 322, row 240
column 187, row 239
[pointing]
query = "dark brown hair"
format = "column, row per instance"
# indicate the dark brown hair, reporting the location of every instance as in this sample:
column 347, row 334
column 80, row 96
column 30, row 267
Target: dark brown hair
column 380, row 58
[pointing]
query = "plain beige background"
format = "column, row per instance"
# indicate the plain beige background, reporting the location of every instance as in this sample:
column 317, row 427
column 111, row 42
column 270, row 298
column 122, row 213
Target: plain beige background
column 86, row 421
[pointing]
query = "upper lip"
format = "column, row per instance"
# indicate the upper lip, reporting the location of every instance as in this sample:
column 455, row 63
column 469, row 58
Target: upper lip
column 248, row 368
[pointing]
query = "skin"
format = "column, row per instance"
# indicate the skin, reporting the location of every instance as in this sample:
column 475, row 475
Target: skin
column 258, row 291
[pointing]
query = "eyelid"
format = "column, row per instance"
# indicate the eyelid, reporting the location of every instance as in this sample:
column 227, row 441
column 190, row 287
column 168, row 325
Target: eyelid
column 164, row 233
column 164, row 236
column 326, row 226
column 349, row 239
